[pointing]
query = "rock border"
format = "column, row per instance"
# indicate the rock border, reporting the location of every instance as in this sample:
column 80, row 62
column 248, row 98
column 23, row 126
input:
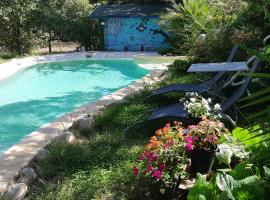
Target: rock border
column 19, row 156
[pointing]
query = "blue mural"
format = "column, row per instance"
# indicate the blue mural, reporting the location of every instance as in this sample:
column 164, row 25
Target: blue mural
column 133, row 34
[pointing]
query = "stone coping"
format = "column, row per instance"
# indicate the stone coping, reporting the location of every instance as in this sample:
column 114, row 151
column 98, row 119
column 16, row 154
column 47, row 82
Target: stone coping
column 19, row 155
column 17, row 64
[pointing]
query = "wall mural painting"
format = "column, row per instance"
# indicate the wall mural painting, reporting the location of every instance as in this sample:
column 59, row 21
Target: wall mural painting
column 143, row 25
column 134, row 34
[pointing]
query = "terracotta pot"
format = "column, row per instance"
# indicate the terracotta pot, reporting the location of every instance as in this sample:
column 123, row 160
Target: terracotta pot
column 202, row 161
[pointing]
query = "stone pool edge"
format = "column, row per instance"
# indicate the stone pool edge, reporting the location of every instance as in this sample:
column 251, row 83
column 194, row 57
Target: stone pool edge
column 21, row 154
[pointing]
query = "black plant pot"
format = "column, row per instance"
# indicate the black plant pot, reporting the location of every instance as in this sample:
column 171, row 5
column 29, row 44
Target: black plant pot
column 202, row 161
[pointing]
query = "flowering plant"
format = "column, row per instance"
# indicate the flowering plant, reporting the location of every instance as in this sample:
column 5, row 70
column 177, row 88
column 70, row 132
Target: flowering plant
column 205, row 135
column 164, row 157
column 198, row 107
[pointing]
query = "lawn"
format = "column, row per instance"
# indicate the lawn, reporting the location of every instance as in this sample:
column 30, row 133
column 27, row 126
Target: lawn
column 100, row 165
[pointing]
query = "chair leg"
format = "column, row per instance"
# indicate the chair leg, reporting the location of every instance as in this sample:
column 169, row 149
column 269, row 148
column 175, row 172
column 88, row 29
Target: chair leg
column 241, row 114
column 133, row 126
column 229, row 119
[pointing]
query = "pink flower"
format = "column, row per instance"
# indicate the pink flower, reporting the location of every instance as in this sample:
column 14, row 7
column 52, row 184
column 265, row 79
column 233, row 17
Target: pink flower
column 191, row 127
column 149, row 168
column 141, row 157
column 162, row 167
column 135, row 171
column 189, row 147
column 214, row 139
column 176, row 123
column 154, row 157
column 157, row 174
column 166, row 146
column 189, row 139
column 168, row 125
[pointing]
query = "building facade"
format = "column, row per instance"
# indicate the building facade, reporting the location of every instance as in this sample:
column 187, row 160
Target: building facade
column 132, row 27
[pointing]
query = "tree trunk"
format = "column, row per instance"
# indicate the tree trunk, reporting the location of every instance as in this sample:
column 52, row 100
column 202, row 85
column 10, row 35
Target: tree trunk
column 49, row 43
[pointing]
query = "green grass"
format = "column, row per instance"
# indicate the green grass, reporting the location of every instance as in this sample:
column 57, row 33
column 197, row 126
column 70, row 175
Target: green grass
column 99, row 166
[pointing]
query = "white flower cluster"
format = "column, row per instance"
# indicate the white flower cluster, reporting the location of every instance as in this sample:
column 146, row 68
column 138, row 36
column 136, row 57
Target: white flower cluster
column 199, row 107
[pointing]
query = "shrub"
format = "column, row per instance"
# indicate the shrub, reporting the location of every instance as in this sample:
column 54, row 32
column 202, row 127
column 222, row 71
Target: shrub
column 179, row 67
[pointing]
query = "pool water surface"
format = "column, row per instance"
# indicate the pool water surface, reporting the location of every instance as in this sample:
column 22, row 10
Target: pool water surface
column 40, row 94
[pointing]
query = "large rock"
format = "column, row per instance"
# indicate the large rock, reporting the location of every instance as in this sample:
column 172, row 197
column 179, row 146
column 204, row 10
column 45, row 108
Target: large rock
column 42, row 154
column 16, row 192
column 27, row 176
column 66, row 137
column 83, row 124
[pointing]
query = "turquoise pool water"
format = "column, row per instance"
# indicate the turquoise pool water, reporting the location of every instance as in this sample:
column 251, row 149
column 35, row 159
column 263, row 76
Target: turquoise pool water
column 41, row 93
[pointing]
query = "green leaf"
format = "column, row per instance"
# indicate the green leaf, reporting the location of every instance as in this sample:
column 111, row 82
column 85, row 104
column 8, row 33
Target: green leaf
column 258, row 101
column 246, row 181
column 256, row 94
column 258, row 114
column 244, row 136
column 202, row 189
column 266, row 170
column 225, row 183
column 241, row 171
column 224, row 153
column 256, row 75
column 224, row 170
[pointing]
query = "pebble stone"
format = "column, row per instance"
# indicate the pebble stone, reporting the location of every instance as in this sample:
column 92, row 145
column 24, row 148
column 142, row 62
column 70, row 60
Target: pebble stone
column 16, row 191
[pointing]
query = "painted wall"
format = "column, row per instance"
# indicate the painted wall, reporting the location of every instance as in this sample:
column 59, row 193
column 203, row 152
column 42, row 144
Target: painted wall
column 133, row 34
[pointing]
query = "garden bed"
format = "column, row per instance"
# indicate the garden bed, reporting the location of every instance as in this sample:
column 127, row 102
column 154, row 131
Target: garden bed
column 99, row 165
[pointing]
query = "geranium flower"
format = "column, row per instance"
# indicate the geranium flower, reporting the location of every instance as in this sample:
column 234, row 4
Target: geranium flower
column 168, row 125
column 191, row 127
column 165, row 129
column 162, row 167
column 157, row 174
column 189, row 147
column 189, row 139
column 149, row 168
column 159, row 132
column 141, row 157
column 154, row 157
column 136, row 171
column 166, row 146
column 214, row 138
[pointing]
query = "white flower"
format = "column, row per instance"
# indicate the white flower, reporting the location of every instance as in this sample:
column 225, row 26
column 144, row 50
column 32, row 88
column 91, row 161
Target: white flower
column 192, row 100
column 209, row 100
column 217, row 107
column 204, row 102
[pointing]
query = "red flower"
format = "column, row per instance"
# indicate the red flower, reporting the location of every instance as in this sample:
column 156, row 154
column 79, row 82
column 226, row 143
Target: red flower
column 135, row 171
column 154, row 157
column 149, row 168
column 189, row 147
column 157, row 174
column 162, row 167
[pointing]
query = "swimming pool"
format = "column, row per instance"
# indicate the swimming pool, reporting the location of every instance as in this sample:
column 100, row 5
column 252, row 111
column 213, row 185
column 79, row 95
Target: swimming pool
column 39, row 94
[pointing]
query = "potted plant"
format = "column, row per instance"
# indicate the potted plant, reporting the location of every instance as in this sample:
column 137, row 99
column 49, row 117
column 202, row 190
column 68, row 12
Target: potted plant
column 201, row 141
column 164, row 159
column 198, row 107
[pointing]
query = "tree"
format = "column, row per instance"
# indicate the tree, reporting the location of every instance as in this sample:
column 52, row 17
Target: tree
column 15, row 29
column 61, row 20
